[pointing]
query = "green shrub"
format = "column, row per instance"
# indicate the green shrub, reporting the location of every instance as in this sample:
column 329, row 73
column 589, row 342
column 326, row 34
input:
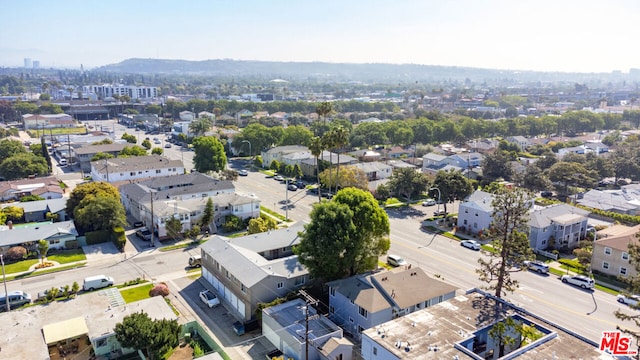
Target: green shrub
column 97, row 237
column 118, row 238
column 71, row 244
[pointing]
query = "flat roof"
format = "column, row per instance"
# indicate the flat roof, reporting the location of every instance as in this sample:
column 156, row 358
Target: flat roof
column 64, row 330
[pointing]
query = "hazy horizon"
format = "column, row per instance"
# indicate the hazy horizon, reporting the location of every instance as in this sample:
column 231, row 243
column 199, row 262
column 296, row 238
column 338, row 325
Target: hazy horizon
column 552, row 36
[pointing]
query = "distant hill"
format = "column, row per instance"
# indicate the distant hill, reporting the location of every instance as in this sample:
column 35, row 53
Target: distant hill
column 371, row 72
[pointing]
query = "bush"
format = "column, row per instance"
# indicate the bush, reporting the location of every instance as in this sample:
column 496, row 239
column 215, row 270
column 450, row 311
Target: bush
column 233, row 223
column 71, row 244
column 159, row 290
column 118, row 238
column 97, row 237
column 16, row 253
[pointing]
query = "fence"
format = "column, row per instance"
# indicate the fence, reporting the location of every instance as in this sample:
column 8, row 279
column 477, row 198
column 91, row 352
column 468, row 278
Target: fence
column 547, row 254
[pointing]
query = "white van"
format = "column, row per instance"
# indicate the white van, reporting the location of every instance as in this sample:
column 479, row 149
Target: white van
column 63, row 162
column 96, row 282
column 16, row 299
column 395, row 260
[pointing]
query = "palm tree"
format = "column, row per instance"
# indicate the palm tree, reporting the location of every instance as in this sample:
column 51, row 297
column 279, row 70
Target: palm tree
column 327, row 143
column 316, row 150
column 340, row 139
column 200, row 126
column 325, row 108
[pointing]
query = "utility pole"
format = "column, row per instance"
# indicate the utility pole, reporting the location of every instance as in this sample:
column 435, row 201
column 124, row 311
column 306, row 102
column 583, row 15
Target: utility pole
column 4, row 279
column 106, row 164
column 153, row 227
column 309, row 302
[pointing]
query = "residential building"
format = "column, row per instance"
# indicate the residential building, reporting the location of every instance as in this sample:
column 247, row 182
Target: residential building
column 56, row 233
column 366, row 155
column 364, row 301
column 286, row 325
column 475, row 213
column 308, row 166
column 84, row 154
column 253, row 269
column 133, row 92
column 135, row 168
column 86, row 323
column 522, row 142
column 610, row 254
column 622, row 201
column 46, row 187
column 484, row 146
column 560, row 225
column 279, row 152
column 465, row 161
column 375, row 170
column 36, row 211
column 460, row 329
column 47, row 121
column 433, row 160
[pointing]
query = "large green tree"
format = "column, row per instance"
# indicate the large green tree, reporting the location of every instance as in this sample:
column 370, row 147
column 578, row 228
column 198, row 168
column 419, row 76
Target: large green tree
column 571, row 173
column 408, row 182
column 154, row 337
column 200, row 126
column 11, row 147
column 90, row 189
column 509, row 234
column 22, row 165
column 174, row 227
column 345, row 236
column 453, row 185
column 209, row 154
column 99, row 213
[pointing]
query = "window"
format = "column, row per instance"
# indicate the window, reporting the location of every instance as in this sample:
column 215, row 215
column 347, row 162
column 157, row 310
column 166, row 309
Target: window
column 375, row 350
column 545, row 229
column 623, row 270
column 332, row 291
column 607, row 251
column 625, row 256
column 465, row 221
column 363, row 312
column 332, row 309
column 243, row 288
column 466, row 211
column 360, row 329
column 350, row 319
column 475, row 225
column 476, row 214
column 157, row 171
column 280, row 285
column 299, row 280
column 605, row 265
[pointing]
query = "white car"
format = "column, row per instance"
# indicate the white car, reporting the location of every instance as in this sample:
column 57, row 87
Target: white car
column 537, row 266
column 243, row 172
column 470, row 244
column 429, row 202
column 209, row 298
column 578, row 280
column 632, row 300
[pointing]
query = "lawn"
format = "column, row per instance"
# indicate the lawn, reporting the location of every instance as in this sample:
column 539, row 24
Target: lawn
column 136, row 293
column 67, row 256
column 19, row 266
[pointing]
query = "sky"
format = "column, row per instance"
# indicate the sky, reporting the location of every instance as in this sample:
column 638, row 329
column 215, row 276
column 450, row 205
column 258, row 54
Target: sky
column 542, row 35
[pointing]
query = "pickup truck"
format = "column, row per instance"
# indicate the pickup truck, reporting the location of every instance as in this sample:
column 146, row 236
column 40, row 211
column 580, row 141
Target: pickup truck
column 144, row 234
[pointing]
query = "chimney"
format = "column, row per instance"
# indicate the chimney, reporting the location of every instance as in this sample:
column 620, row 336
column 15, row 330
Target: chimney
column 10, row 224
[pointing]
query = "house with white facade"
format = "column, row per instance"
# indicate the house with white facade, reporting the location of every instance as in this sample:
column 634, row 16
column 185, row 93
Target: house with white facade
column 285, row 326
column 375, row 170
column 84, row 154
column 278, row 153
column 47, row 121
column 56, row 233
column 46, row 187
column 253, row 269
column 475, row 213
column 367, row 300
column 522, row 142
column 135, row 168
column 36, row 211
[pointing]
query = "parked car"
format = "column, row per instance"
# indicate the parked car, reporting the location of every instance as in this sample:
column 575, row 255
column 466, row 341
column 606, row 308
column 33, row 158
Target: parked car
column 578, row 280
column 429, row 202
column 395, row 260
column 537, row 266
column 195, row 261
column 292, row 187
column 470, row 244
column 278, row 178
column 96, row 282
column 440, row 213
column 167, row 145
column 209, row 298
column 546, row 194
column 631, row 300
column 137, row 224
column 43, row 294
column 144, row 234
column 300, row 184
column 243, row 172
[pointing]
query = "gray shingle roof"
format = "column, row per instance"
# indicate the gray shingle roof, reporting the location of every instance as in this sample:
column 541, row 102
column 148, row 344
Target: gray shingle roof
column 53, row 205
column 136, row 163
column 35, row 232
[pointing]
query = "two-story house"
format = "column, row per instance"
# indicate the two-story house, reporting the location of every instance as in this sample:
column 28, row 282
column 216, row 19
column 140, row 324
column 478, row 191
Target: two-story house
column 610, row 253
column 465, row 161
column 134, row 168
column 522, row 142
column 84, row 154
column 253, row 269
column 364, row 301
column 475, row 213
column 375, row 170
column 279, row 152
column 558, row 225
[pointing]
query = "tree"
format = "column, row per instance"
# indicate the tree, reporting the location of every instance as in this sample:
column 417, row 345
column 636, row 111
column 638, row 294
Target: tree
column 207, row 214
column 340, row 137
column 200, row 126
column 16, row 253
column 323, row 109
column 496, row 166
column 572, row 173
column 90, row 189
column 508, row 230
column 13, row 213
column 452, row 185
column 157, row 151
column 99, row 213
column 345, row 236
column 262, row 224
column 408, row 182
column 153, row 337
column 28, row 198
column 350, row 176
column 129, row 138
column 209, row 154
column 43, row 248
column 21, row 165
column 146, row 144
column 296, row 135
column 174, row 227
column 506, row 333
column 534, row 179
column 316, row 147
column 101, row 156
column 10, row 148
column 134, row 150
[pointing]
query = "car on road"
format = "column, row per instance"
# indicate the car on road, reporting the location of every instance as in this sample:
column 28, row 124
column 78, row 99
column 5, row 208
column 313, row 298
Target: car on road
column 537, row 266
column 167, row 145
column 395, row 260
column 156, row 141
column 144, row 234
column 470, row 244
column 292, row 187
column 209, row 298
column 631, row 300
column 578, row 280
column 243, row 172
column 429, row 202
column 278, row 178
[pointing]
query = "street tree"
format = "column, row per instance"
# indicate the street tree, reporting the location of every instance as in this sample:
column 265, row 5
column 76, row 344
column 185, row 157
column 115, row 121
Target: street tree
column 340, row 137
column 453, row 185
column 43, row 248
column 408, row 183
column 200, row 126
column 209, row 154
column 345, row 236
column 350, row 176
column 154, row 337
column 131, row 139
column 323, row 110
column 173, row 227
column 22, row 165
column 508, row 232
column 157, row 151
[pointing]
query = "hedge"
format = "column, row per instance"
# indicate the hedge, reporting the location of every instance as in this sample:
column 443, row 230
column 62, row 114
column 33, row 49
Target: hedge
column 97, row 237
column 118, row 238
